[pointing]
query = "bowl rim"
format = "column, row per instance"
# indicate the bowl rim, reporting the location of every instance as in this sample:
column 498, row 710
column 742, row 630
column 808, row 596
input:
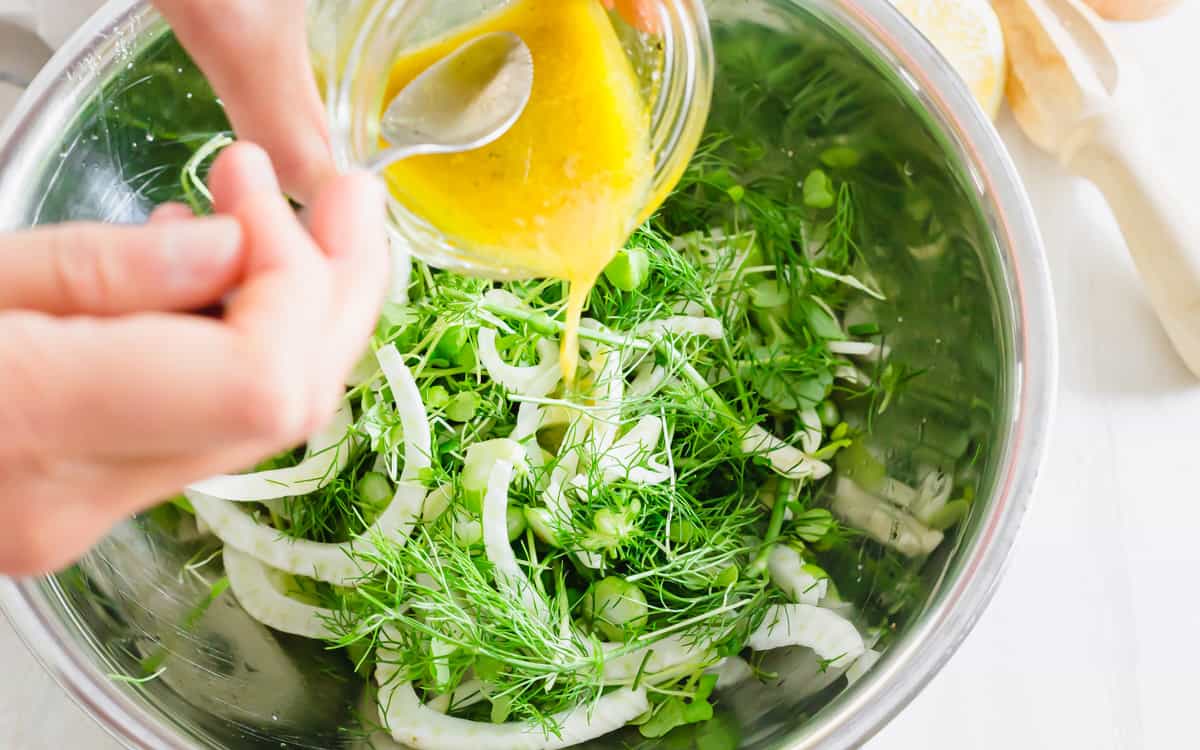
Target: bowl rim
column 862, row 710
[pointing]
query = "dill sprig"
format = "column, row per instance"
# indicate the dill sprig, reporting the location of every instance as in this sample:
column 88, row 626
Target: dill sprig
column 433, row 587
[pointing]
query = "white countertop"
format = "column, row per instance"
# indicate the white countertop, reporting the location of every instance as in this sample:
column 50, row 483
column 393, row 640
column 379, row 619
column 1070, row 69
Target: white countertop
column 1087, row 644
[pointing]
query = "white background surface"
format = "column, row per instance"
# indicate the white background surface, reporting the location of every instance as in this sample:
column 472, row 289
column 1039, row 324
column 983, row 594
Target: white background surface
column 1088, row 643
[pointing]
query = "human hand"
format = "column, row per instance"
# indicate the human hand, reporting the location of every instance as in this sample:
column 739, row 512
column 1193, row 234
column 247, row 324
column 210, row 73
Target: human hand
column 114, row 401
column 256, row 56
column 639, row 13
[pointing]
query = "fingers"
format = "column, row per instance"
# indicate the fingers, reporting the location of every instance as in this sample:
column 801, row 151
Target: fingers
column 348, row 222
column 280, row 312
column 46, row 519
column 169, row 212
column 66, row 508
column 147, row 385
column 86, row 269
column 109, row 415
column 256, row 55
column 156, row 385
column 641, row 14
column 242, row 171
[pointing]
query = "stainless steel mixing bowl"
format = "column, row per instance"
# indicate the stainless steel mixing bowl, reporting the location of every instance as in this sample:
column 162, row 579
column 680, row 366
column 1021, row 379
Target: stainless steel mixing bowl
column 83, row 145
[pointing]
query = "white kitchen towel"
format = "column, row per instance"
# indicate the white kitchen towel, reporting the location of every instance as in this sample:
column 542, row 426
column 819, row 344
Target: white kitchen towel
column 29, row 31
column 53, row 21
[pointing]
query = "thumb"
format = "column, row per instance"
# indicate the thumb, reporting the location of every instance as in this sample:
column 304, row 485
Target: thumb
column 96, row 269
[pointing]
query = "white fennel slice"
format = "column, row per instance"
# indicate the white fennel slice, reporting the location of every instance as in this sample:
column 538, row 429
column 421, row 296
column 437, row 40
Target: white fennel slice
column 682, row 325
column 883, row 522
column 328, row 454
column 263, row 593
column 811, row 439
column 419, row 727
column 786, row 568
column 731, row 672
column 787, row 461
column 670, row 658
column 649, row 379
column 533, row 381
column 862, row 665
column 464, row 696
column 497, row 547
column 630, row 457
column 340, row 564
column 831, row 636
column 608, row 391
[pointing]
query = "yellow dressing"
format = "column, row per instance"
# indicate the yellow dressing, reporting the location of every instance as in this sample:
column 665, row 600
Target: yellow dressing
column 557, row 195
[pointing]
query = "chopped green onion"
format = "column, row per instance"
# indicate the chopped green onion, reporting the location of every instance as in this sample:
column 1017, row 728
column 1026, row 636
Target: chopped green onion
column 682, row 532
column 452, row 343
column 841, row 157
column 616, row 608
column 829, row 414
column 727, row 577
column 858, row 463
column 918, row 206
column 629, row 270
column 950, row 515
column 818, row 190
column 864, row 329
column 463, row 407
column 374, row 490
column 517, row 524
column 436, row 397
column 542, row 524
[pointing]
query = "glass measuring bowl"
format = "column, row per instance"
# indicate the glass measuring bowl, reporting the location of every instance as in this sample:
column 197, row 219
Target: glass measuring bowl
column 356, row 42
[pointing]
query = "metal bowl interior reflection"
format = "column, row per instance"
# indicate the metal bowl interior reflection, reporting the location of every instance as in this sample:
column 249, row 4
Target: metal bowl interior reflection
column 104, row 134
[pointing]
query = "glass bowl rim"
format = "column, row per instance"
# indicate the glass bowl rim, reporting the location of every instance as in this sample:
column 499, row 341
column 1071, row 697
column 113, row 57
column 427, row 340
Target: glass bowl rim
column 679, row 113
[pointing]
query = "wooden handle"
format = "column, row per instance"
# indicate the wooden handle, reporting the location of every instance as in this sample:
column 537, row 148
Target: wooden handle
column 1159, row 224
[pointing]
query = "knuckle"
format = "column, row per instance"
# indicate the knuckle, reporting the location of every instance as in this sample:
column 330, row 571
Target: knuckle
column 84, row 269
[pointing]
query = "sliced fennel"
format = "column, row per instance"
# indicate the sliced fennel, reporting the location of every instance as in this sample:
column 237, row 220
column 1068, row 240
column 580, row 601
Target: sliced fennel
column 789, row 573
column 884, row 522
column 829, row 635
column 337, row 563
column 671, row 657
column 862, row 665
column 788, row 461
column 264, row 594
column 421, row 728
column 495, row 540
column 536, row 380
column 328, row 453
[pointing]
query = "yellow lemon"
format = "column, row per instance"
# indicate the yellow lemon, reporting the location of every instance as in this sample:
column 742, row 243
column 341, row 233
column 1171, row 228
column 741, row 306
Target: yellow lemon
column 968, row 34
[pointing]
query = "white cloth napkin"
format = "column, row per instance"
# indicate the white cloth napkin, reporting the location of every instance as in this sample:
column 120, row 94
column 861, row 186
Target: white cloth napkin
column 22, row 24
column 53, row 21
